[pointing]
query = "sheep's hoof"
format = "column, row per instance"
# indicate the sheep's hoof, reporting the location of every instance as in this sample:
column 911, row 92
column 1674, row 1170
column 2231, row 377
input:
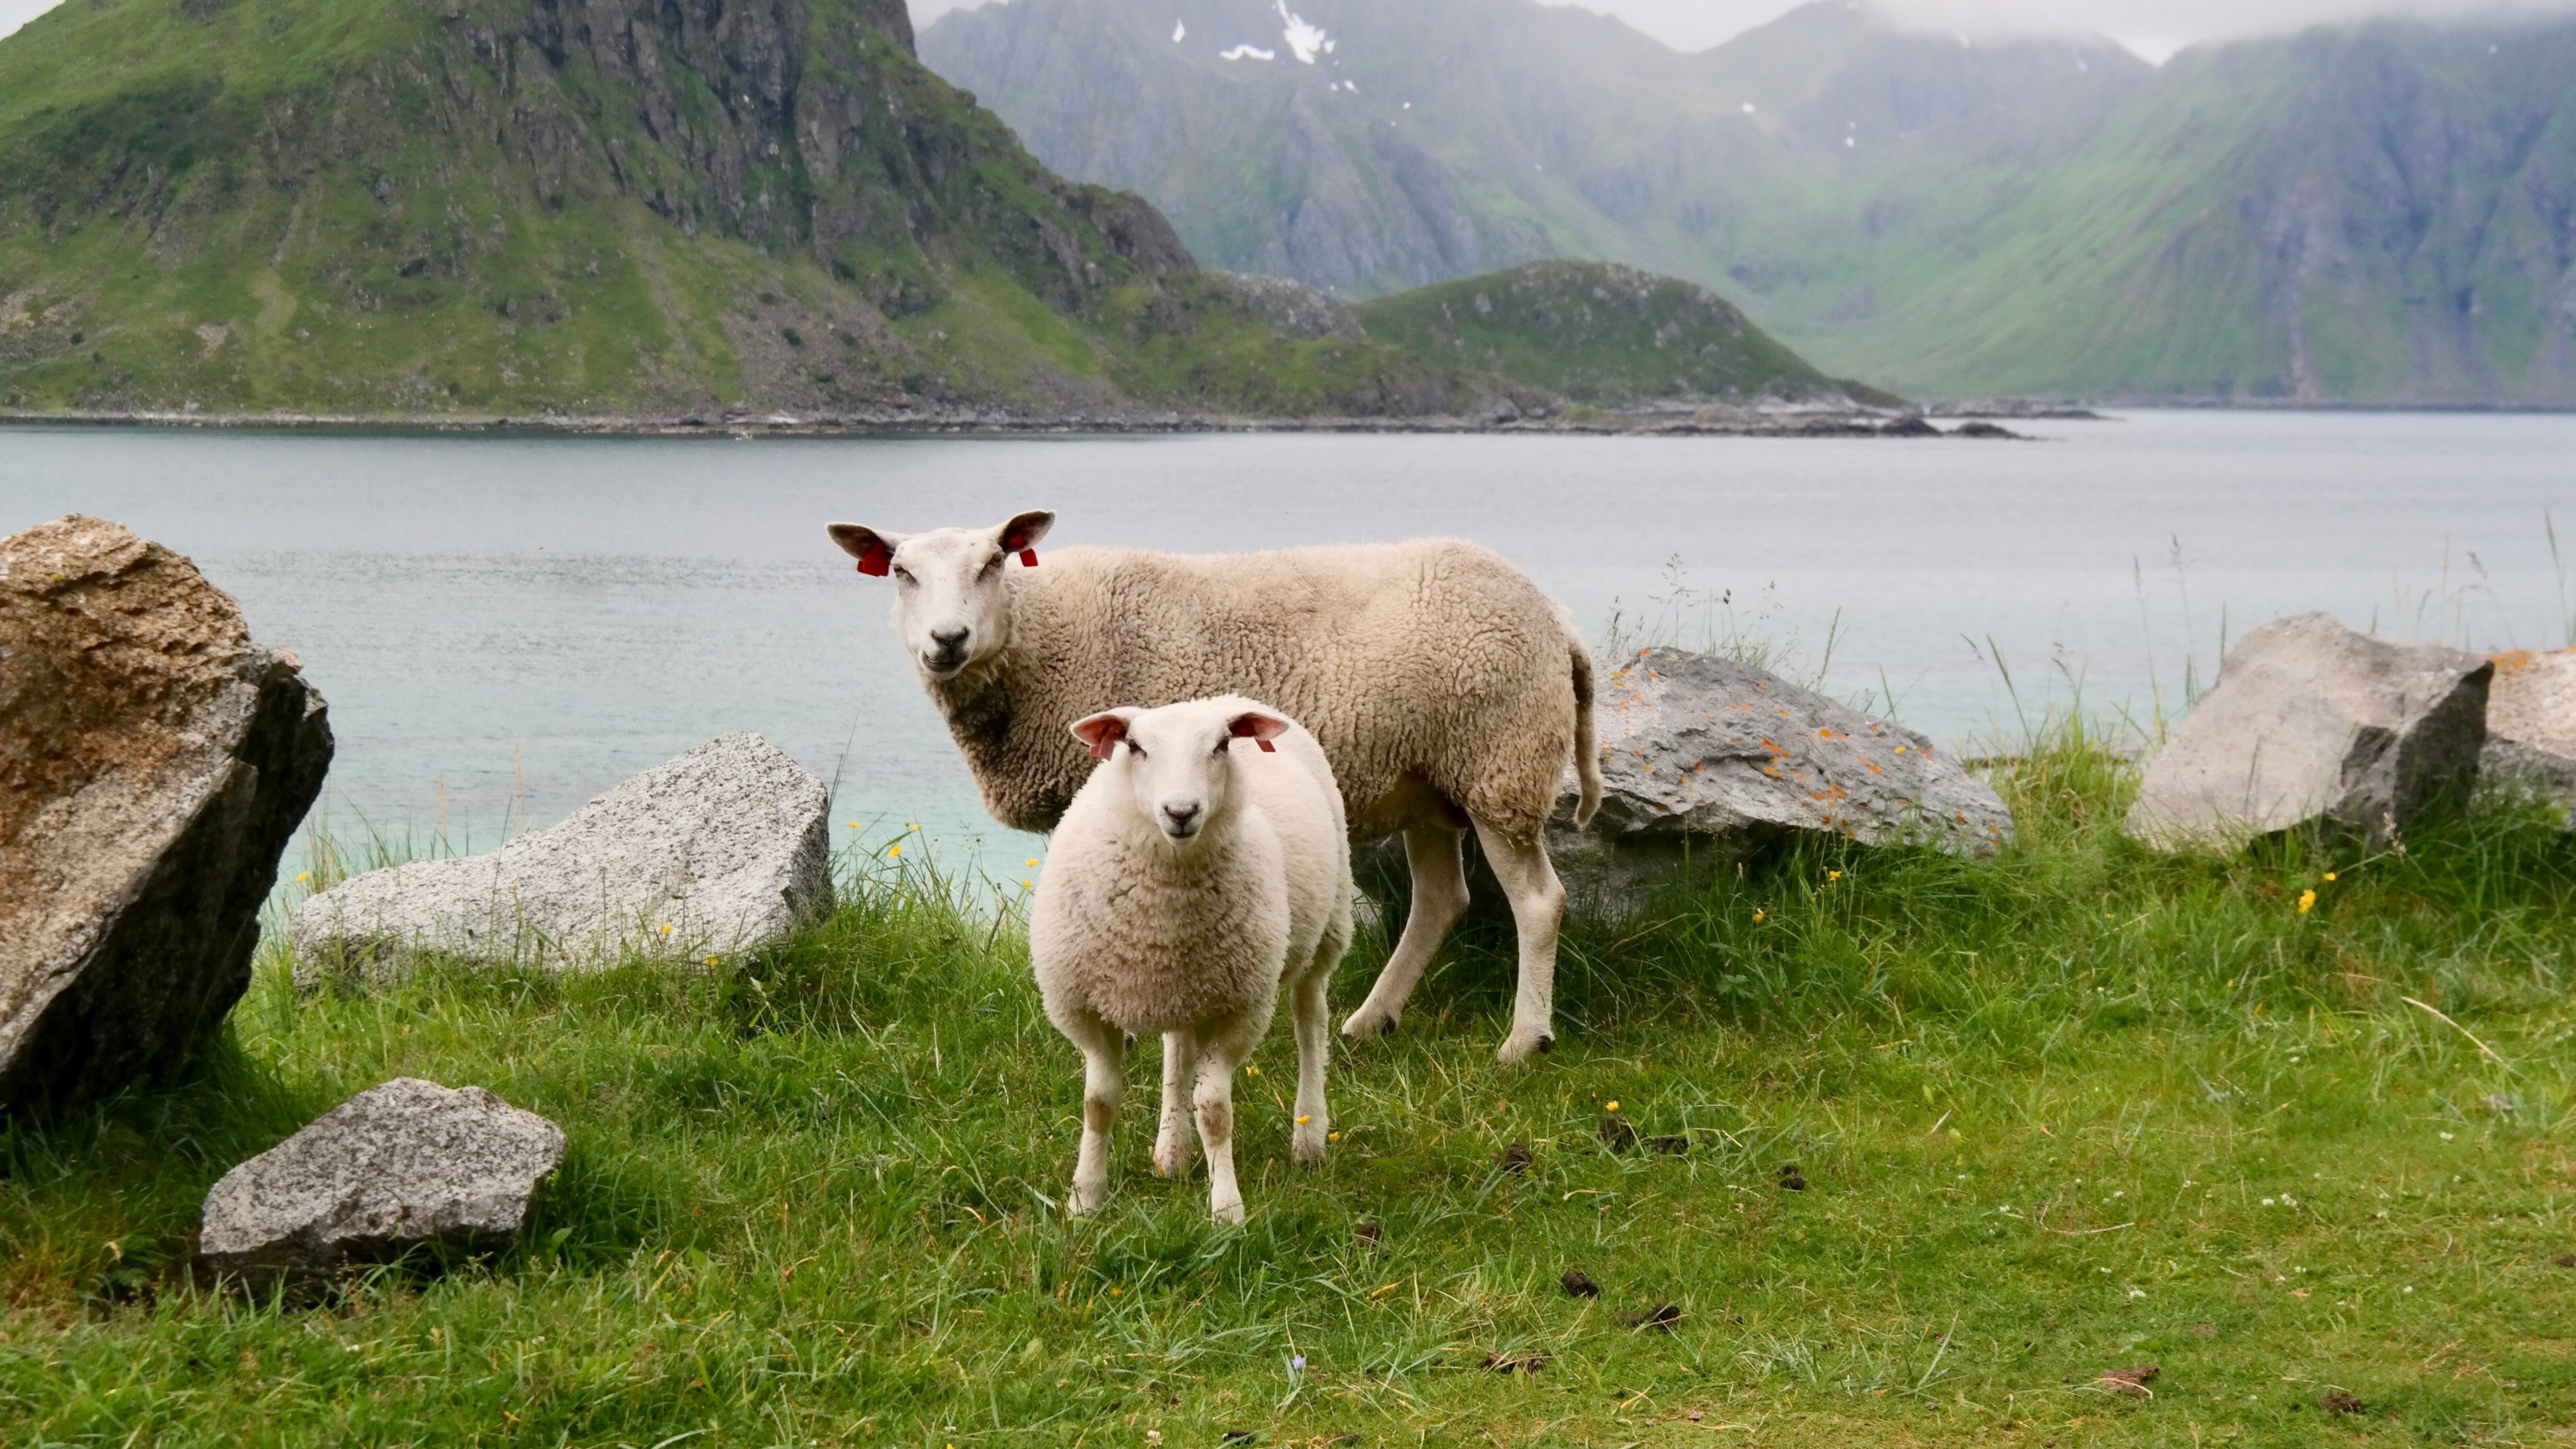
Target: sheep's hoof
column 1365, row 1024
column 1230, row 1213
column 1521, row 1046
column 1307, row 1146
column 1083, row 1201
column 1171, row 1161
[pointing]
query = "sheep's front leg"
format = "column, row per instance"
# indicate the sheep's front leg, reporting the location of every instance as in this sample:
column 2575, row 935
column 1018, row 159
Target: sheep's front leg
column 1538, row 907
column 1102, row 1047
column 1439, row 899
column 1220, row 1048
column 1307, row 1008
column 1173, row 1145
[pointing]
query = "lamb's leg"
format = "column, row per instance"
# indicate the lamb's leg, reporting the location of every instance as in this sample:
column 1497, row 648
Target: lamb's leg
column 1439, row 899
column 1308, row 1009
column 1220, row 1047
column 1102, row 1046
column 1538, row 906
column 1174, row 1145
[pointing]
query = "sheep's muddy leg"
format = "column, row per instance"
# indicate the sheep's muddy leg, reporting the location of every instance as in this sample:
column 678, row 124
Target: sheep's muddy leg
column 1439, row 899
column 1102, row 1046
column 1538, row 905
column 1309, row 1011
column 1174, row 1145
column 1220, row 1049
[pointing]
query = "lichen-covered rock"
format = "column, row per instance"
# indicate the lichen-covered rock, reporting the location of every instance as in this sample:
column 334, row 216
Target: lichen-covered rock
column 153, row 762
column 2531, row 727
column 2313, row 725
column 404, row 1165
column 724, row 849
column 1717, row 758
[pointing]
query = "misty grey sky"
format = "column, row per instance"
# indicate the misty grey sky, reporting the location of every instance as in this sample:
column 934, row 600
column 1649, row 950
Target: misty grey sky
column 2153, row 28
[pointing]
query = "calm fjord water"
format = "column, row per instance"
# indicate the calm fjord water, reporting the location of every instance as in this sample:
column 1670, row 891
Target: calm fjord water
column 498, row 619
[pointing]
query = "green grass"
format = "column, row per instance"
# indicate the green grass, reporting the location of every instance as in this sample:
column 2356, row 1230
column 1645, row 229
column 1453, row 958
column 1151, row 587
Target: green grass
column 2076, row 1109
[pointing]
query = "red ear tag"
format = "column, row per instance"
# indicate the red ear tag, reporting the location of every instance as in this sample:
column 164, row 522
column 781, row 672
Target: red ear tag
column 1267, row 748
column 875, row 561
column 1028, row 558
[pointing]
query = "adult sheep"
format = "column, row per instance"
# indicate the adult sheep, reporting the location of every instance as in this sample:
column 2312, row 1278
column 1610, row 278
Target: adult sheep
column 1447, row 692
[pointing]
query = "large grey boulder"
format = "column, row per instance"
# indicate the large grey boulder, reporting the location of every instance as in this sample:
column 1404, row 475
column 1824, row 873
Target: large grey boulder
column 2531, row 727
column 724, row 849
column 2313, row 725
column 404, row 1165
column 1714, row 758
column 153, row 762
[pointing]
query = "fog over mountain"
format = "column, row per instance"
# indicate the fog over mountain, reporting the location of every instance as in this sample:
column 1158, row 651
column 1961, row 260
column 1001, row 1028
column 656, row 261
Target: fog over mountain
column 2382, row 212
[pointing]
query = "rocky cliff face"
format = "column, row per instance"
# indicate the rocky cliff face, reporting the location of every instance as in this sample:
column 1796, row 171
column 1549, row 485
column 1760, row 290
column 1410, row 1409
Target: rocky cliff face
column 571, row 207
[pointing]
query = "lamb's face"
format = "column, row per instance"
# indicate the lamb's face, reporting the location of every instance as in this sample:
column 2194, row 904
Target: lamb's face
column 1179, row 759
column 950, row 606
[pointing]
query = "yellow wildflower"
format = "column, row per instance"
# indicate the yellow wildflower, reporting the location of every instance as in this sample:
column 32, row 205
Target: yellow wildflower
column 1614, row 1106
column 894, row 850
column 301, row 879
column 852, row 824
column 1833, row 875
column 2307, row 901
column 1252, row 1071
column 1332, row 1137
column 1304, row 1117
column 666, row 930
column 1034, row 860
column 714, row 961
column 2330, row 875
column 1757, row 917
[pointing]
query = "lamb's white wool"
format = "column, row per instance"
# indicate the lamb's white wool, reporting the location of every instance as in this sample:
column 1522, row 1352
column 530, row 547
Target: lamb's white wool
column 1445, row 688
column 1202, row 867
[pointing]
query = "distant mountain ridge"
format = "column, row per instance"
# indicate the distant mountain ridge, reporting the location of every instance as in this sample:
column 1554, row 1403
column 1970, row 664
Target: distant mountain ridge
column 2376, row 214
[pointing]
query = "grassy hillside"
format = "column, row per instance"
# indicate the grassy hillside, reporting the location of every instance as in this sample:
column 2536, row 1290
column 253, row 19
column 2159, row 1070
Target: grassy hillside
column 2380, row 213
column 513, row 207
column 1604, row 334
column 2080, row 1109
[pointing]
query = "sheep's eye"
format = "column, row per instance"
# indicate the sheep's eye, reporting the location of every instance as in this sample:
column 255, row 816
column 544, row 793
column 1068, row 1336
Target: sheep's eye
column 903, row 576
column 1135, row 749
column 1221, row 742
column 989, row 565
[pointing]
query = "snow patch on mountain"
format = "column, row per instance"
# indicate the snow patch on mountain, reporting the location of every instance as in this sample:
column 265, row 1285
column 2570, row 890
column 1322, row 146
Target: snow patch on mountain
column 1247, row 52
column 1306, row 41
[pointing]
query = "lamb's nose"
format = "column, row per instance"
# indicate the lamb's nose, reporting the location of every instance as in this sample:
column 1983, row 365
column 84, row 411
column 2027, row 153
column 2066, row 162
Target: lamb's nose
column 1181, row 819
column 950, row 641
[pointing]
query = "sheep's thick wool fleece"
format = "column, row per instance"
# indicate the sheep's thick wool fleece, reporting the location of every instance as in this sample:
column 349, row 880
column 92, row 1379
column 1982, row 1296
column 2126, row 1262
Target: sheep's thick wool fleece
column 1148, row 937
column 1433, row 662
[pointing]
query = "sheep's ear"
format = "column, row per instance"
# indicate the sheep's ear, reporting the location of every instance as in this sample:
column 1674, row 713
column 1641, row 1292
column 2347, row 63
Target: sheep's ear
column 1021, row 535
column 873, row 550
column 1103, row 731
column 1260, row 728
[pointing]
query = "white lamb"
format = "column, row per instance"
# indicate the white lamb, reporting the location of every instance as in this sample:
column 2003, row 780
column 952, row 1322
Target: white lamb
column 1445, row 688
column 1200, row 868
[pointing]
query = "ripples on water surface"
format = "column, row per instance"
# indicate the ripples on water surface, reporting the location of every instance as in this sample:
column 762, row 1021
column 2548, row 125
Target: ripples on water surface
column 498, row 615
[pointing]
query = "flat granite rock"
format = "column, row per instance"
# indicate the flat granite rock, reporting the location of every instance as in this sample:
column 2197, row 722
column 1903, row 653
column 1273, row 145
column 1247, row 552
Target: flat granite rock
column 722, row 850
column 2531, row 727
column 403, row 1165
column 2311, row 725
column 1716, row 757
column 154, row 761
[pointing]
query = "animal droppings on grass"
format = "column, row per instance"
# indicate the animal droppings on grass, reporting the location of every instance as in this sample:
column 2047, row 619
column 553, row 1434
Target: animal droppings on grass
column 2340, row 1403
column 1527, row 1363
column 1516, row 1158
column 1791, row 1178
column 1369, row 1233
column 1669, row 1146
column 2204, row 1329
column 1660, row 1318
column 1618, row 1133
column 2130, row 1381
column 1579, row 1284
column 2565, row 1260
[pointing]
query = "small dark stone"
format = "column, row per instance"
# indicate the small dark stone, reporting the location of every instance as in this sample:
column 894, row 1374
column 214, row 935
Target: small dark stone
column 2339, row 1403
column 1618, row 1133
column 1580, row 1284
column 1669, row 1146
column 1660, row 1318
column 1516, row 1158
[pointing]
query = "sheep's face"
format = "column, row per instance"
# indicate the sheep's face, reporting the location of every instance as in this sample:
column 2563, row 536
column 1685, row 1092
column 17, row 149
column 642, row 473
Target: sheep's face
column 1179, row 759
column 950, row 606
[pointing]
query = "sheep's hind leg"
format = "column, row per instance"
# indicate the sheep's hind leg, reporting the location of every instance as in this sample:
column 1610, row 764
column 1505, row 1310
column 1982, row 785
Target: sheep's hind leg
column 1174, row 1145
column 1102, row 1047
column 1439, row 899
column 1220, row 1048
column 1538, row 907
column 1311, row 1015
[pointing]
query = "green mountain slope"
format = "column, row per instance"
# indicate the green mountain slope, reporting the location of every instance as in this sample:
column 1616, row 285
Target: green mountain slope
column 2374, row 214
column 1607, row 335
column 521, row 207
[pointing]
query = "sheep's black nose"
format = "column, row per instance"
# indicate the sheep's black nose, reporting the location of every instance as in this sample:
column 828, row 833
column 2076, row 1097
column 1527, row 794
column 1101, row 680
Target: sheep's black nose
column 1181, row 819
column 950, row 641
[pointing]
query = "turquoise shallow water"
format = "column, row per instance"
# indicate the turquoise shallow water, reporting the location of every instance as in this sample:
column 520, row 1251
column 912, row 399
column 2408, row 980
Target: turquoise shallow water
column 509, row 625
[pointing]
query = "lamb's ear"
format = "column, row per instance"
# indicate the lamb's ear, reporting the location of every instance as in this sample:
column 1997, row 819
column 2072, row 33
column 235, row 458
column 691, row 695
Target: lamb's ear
column 1021, row 535
column 873, row 550
column 1103, row 731
column 1257, row 727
